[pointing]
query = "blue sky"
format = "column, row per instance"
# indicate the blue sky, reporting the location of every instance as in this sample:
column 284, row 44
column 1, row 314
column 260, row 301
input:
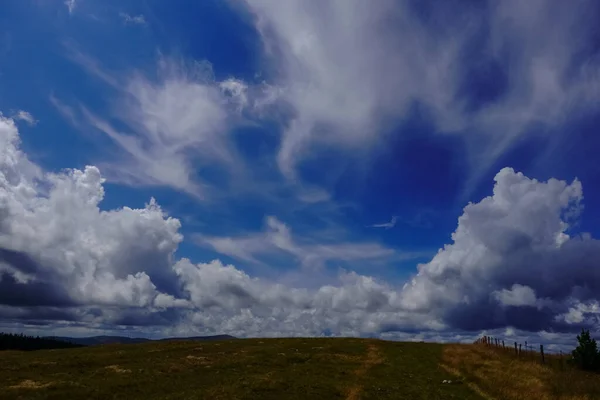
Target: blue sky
column 322, row 149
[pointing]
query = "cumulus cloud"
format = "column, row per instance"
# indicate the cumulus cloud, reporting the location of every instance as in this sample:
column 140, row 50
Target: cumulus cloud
column 518, row 295
column 57, row 243
column 240, row 304
column 350, row 70
column 65, row 262
column 512, row 262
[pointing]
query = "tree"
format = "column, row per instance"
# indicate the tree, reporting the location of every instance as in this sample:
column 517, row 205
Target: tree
column 586, row 355
column 10, row 341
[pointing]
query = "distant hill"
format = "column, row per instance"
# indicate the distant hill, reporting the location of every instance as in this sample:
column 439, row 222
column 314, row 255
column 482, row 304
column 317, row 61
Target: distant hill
column 97, row 340
column 214, row 337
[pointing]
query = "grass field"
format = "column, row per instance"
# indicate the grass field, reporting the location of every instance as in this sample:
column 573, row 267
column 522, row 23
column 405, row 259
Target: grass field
column 234, row 369
column 498, row 374
column 285, row 369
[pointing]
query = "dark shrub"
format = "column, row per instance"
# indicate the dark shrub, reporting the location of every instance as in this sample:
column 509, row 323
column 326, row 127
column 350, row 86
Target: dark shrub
column 586, row 355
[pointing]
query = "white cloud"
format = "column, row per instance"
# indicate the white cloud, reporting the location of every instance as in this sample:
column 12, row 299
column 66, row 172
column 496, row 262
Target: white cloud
column 227, row 298
column 237, row 90
column 351, row 69
column 509, row 251
column 25, row 116
column 133, row 19
column 172, row 126
column 63, row 259
column 278, row 240
column 64, row 110
column 93, row 256
column 387, row 225
column 587, row 313
column 71, row 4
column 518, row 295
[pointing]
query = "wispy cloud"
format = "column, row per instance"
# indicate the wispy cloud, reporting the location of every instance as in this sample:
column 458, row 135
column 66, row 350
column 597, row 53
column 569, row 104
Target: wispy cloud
column 351, row 70
column 309, row 252
column 64, row 110
column 71, row 4
column 90, row 65
column 133, row 19
column 170, row 126
column 174, row 124
column 386, row 225
column 25, row 117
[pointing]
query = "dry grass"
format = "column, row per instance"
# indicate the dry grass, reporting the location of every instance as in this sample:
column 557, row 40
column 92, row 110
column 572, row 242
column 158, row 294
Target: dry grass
column 498, row 374
column 276, row 369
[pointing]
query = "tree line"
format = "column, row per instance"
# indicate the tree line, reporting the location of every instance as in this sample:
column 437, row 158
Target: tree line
column 19, row 341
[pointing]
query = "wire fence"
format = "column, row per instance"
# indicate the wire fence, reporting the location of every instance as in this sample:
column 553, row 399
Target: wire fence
column 526, row 351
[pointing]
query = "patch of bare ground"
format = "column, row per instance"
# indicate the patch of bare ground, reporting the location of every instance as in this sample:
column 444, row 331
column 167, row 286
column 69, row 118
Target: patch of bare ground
column 29, row 384
column 116, row 368
column 197, row 360
column 43, row 363
column 373, row 358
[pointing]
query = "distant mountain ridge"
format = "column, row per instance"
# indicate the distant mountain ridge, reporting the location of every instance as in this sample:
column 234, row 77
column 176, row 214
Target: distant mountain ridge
column 98, row 340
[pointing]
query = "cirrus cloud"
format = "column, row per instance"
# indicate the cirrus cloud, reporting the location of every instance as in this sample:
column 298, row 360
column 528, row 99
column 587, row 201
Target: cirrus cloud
column 351, row 71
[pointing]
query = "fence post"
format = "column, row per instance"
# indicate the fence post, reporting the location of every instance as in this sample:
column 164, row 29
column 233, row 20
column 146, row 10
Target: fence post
column 526, row 348
column 519, row 349
column 516, row 351
column 503, row 347
column 542, row 353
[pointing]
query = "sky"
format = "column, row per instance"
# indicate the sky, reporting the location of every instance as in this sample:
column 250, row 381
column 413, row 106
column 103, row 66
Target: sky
column 410, row 170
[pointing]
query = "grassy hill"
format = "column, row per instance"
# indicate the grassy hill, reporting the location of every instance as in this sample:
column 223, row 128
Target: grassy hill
column 277, row 369
column 498, row 374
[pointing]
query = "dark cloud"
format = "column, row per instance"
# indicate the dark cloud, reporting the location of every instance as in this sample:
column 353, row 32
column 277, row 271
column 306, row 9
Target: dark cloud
column 143, row 318
column 14, row 293
column 18, row 260
column 39, row 315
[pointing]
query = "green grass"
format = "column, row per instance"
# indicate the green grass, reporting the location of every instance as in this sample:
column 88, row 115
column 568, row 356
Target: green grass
column 234, row 369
